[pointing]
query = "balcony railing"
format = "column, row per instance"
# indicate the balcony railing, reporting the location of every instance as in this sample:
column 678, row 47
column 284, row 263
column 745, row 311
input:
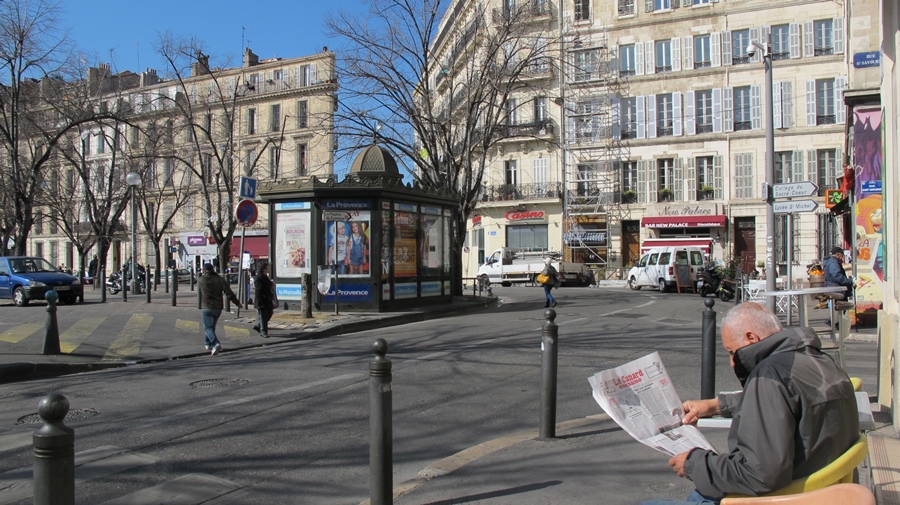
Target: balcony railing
column 742, row 125
column 533, row 129
column 825, row 119
column 704, row 128
column 824, row 51
column 505, row 192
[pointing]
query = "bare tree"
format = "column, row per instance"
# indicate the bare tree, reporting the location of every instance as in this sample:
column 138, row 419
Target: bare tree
column 440, row 99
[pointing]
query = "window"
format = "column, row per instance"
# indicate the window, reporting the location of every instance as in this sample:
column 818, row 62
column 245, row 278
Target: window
column 540, row 109
column 664, row 115
column 781, row 42
column 663, row 56
column 307, row 74
column 743, row 176
column 511, row 172
column 699, row 2
column 208, row 124
column 302, row 168
column 251, row 121
column 151, row 175
column 302, row 114
column 626, row 60
column 705, row 176
column 189, row 133
column 661, row 4
column 823, row 31
column 582, row 10
column 169, row 172
column 629, row 118
column 666, row 177
column 275, row 118
column 825, row 101
column 101, row 143
column 274, row 161
column 527, row 237
column 740, row 39
column 540, row 175
column 826, row 169
column 586, row 64
column 38, row 222
column 626, row 7
column 206, row 165
column 702, row 54
column 586, row 179
column 703, row 110
column 135, row 137
column 783, row 166
column 584, row 122
column 512, row 116
column 86, row 143
column 630, row 176
column 742, row 118
column 823, row 37
column 187, row 214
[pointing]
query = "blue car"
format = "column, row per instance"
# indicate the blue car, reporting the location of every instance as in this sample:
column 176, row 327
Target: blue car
column 26, row 278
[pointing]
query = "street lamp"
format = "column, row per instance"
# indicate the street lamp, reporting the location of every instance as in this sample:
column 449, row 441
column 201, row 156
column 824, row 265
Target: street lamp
column 770, row 170
column 133, row 180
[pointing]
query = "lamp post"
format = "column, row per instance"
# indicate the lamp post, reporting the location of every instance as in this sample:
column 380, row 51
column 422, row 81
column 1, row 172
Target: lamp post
column 133, row 180
column 771, row 275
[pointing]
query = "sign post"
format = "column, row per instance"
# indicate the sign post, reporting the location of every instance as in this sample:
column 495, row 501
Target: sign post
column 246, row 214
column 791, row 190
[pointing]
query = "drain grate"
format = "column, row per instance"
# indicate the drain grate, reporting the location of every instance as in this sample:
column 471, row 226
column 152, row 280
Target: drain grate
column 73, row 415
column 218, row 383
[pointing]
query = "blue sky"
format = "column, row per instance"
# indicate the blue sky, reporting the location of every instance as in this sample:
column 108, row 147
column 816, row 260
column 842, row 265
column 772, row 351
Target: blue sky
column 124, row 33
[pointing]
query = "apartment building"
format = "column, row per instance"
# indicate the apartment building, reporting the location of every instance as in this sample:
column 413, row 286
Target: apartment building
column 269, row 119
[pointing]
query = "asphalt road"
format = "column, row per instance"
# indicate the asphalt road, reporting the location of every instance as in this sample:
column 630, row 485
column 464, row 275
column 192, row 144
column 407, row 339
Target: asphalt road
column 289, row 424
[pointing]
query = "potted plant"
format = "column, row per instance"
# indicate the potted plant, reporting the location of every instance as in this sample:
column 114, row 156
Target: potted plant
column 706, row 191
column 665, row 194
column 629, row 195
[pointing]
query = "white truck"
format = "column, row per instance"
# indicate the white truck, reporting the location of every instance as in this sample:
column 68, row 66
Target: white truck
column 508, row 265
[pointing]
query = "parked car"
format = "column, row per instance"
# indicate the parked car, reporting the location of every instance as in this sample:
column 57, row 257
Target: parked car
column 184, row 276
column 26, row 278
column 656, row 268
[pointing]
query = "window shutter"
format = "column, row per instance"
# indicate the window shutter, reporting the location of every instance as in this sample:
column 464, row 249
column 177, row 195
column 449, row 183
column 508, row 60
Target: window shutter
column 679, row 179
column 616, row 119
column 313, row 74
column 776, row 104
column 688, row 53
column 641, row 117
column 811, row 102
column 652, row 181
column 809, row 43
column 726, row 49
column 754, row 36
column 649, row 60
column 691, row 180
column 787, row 104
column 614, row 63
column 718, row 179
column 755, row 108
column 837, row 169
column 642, row 181
column 717, row 110
column 570, row 125
column 840, row 110
column 638, row 58
column 794, row 30
column 651, row 116
column 715, row 49
column 728, row 99
column 676, row 54
column 690, row 124
column 676, row 114
column 838, row 35
column 811, row 173
column 765, row 39
column 648, row 6
column 797, row 166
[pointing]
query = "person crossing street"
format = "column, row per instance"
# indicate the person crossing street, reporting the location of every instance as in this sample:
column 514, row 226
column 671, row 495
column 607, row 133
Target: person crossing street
column 265, row 300
column 212, row 288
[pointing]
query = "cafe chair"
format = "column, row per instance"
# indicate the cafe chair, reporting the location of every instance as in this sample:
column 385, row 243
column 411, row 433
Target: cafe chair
column 839, row 494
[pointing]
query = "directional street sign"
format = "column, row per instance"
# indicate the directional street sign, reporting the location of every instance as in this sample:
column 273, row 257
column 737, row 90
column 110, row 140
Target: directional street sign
column 246, row 213
column 794, row 206
column 794, row 189
column 335, row 215
column 247, row 188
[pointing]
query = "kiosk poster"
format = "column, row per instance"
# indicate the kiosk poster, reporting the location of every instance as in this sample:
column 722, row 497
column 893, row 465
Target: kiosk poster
column 405, row 227
column 347, row 244
column 292, row 244
column 867, row 158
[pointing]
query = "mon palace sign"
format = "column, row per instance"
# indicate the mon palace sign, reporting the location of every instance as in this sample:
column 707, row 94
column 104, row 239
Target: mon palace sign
column 689, row 210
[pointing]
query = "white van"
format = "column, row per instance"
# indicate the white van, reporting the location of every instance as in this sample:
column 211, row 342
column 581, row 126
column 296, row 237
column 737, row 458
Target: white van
column 656, row 267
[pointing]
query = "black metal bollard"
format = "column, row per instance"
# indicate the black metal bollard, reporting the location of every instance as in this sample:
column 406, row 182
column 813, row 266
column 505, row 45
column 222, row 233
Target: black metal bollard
column 193, row 278
column 103, row 285
column 51, row 333
column 174, row 287
column 708, row 358
column 54, row 454
column 549, row 352
column 381, row 486
column 124, row 286
column 147, row 281
column 166, row 270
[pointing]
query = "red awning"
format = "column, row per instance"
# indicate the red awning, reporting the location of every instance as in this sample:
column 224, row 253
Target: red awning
column 702, row 243
column 256, row 245
column 682, row 221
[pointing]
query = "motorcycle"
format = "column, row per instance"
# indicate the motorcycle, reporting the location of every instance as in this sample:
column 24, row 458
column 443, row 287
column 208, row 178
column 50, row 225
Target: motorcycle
column 114, row 282
column 710, row 282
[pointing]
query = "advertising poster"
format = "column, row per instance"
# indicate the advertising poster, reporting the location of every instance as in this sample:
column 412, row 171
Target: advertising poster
column 292, row 256
column 386, row 249
column 347, row 244
column 431, row 239
column 867, row 159
column 405, row 226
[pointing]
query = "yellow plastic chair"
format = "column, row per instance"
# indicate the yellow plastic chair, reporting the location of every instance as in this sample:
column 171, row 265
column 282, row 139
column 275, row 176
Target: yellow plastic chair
column 839, row 494
column 839, row 471
column 857, row 383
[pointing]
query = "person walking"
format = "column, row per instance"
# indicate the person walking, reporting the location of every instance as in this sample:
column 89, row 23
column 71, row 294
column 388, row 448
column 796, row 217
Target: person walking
column 212, row 287
column 264, row 301
column 552, row 282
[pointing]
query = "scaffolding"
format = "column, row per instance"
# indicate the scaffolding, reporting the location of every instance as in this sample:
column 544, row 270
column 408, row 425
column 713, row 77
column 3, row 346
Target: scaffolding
column 593, row 152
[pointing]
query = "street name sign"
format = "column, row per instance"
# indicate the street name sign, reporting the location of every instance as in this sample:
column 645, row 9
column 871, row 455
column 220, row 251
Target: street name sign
column 335, row 215
column 794, row 189
column 794, row 206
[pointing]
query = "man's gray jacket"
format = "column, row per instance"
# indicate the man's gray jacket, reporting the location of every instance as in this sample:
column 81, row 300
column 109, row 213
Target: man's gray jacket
column 796, row 414
column 212, row 286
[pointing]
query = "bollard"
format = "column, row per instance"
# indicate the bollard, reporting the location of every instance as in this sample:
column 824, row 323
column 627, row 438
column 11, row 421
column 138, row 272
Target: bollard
column 51, row 333
column 167, row 280
column 54, row 454
column 124, row 286
column 192, row 280
column 708, row 353
column 103, row 285
column 549, row 351
column 199, row 298
column 306, row 296
column 380, row 429
column 174, row 287
column 147, row 282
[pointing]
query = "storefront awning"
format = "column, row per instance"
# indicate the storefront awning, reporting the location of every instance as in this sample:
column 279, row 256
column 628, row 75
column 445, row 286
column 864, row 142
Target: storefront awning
column 702, row 243
column 257, row 246
column 682, row 221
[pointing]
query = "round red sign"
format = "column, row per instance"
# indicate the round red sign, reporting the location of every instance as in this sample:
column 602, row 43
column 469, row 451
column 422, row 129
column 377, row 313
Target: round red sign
column 246, row 213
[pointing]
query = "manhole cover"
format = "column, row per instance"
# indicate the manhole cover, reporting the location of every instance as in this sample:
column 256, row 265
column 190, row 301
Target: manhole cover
column 73, row 415
column 218, row 383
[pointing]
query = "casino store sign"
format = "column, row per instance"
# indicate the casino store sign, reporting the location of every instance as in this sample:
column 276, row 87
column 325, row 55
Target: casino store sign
column 526, row 215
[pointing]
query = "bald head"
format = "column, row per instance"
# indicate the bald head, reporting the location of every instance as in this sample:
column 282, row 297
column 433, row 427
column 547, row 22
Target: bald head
column 748, row 323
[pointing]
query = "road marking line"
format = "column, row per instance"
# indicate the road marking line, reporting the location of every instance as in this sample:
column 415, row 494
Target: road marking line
column 181, row 324
column 185, row 490
column 235, row 332
column 70, row 339
column 19, row 333
column 12, row 441
column 129, row 342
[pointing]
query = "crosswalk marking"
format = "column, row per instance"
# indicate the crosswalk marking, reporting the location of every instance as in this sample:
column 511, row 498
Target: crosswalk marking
column 181, row 324
column 235, row 332
column 70, row 339
column 129, row 341
column 186, row 490
column 19, row 333
column 16, row 485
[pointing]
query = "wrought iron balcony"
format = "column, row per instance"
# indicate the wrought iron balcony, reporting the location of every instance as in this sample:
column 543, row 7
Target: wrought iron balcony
column 527, row 10
column 533, row 129
column 538, row 191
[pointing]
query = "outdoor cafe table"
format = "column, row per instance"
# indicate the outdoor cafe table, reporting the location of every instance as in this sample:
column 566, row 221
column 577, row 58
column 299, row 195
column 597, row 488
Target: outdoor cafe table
column 801, row 294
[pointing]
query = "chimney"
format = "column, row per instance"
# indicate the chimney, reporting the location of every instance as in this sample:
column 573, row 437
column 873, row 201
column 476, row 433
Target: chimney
column 250, row 59
column 149, row 77
column 201, row 66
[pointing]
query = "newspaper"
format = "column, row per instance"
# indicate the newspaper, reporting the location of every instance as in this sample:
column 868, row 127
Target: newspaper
column 640, row 397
